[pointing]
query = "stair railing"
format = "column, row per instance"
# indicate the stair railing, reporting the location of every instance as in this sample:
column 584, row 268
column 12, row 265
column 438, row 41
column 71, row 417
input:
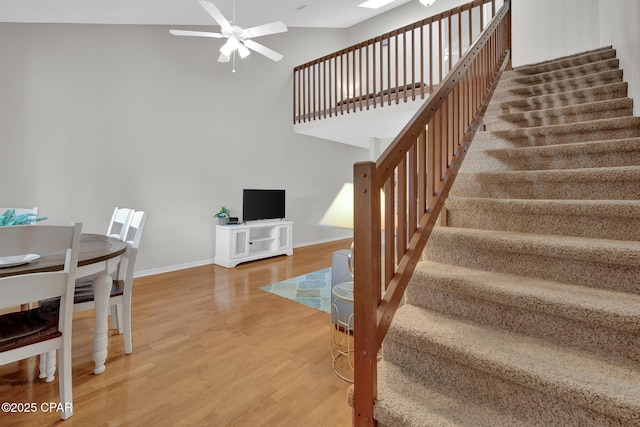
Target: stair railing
column 415, row 174
column 403, row 64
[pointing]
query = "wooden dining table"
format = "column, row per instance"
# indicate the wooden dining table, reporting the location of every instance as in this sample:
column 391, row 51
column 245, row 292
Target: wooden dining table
column 98, row 257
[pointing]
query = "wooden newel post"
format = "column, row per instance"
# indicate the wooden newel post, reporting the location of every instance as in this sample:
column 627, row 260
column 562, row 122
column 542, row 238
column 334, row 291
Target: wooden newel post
column 367, row 289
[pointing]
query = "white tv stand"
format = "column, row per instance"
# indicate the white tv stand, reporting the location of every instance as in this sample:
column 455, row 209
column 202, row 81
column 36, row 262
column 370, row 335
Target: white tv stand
column 251, row 241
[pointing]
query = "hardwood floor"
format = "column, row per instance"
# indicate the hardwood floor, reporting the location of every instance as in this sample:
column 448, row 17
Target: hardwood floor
column 209, row 349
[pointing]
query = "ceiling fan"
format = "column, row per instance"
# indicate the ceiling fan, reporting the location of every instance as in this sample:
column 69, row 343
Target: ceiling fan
column 238, row 38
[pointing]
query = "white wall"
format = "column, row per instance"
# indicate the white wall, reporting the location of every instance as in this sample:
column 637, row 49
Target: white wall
column 545, row 29
column 97, row 116
column 620, row 27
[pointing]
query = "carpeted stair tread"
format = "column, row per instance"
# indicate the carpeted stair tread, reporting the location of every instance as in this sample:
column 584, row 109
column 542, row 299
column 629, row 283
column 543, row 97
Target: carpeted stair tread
column 595, row 130
column 516, row 80
column 612, row 219
column 596, row 208
column 574, row 97
column 560, row 86
column 597, row 263
column 404, row 401
column 616, row 310
column 590, row 154
column 570, row 315
column 569, row 375
column 563, row 115
column 586, row 183
column 616, row 252
column 567, row 61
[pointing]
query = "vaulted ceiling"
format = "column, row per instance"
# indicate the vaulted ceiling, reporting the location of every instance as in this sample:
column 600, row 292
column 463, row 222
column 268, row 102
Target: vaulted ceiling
column 294, row 13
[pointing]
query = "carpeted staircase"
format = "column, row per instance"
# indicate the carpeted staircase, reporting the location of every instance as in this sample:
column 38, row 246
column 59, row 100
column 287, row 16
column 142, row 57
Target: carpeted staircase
column 526, row 309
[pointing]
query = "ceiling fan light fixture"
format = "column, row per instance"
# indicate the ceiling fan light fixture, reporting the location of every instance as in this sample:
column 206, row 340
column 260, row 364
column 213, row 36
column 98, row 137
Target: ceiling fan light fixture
column 375, row 4
column 227, row 48
column 233, row 43
column 243, row 51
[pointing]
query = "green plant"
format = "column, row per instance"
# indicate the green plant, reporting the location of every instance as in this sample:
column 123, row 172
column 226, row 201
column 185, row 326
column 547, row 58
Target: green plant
column 224, row 213
column 9, row 217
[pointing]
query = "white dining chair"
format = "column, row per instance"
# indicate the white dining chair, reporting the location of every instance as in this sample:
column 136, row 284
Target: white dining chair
column 120, row 299
column 118, row 228
column 121, row 304
column 46, row 329
column 119, row 224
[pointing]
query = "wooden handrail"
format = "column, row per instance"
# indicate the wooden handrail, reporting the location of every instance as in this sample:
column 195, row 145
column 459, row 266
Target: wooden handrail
column 416, row 173
column 364, row 76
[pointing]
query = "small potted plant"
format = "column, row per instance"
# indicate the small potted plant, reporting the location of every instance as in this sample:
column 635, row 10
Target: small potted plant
column 223, row 215
column 9, row 217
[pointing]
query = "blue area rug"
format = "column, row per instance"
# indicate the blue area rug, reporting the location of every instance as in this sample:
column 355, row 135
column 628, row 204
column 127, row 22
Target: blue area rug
column 311, row 289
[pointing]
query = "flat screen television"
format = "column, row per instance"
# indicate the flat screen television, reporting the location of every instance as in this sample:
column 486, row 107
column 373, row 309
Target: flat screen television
column 262, row 204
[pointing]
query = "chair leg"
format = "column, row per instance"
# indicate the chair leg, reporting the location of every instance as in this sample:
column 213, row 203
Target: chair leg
column 119, row 313
column 65, row 380
column 48, row 366
column 126, row 321
column 43, row 366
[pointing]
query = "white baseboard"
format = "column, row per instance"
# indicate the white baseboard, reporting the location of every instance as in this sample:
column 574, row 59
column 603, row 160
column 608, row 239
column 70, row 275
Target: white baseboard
column 170, row 268
column 176, row 267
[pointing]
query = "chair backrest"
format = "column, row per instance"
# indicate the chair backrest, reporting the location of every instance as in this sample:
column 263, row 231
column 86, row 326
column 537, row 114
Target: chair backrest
column 41, row 239
column 136, row 226
column 119, row 224
column 133, row 239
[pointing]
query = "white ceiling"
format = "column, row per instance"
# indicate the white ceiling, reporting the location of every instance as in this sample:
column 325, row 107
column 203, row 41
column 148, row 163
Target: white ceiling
column 294, row 13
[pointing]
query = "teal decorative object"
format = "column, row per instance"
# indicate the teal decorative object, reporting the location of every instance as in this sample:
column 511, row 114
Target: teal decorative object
column 10, row 218
column 223, row 215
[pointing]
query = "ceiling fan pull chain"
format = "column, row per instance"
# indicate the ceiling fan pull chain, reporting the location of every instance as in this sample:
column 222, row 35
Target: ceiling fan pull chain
column 234, row 12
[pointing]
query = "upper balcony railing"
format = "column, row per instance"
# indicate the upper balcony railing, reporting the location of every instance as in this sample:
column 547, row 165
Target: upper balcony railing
column 403, row 64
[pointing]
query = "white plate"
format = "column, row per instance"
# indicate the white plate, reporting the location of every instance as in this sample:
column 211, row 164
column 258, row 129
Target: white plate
column 12, row 261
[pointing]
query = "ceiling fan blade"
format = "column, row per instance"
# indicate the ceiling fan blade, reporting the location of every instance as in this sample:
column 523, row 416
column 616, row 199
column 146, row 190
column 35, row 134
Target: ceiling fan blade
column 215, row 14
column 223, row 58
column 263, row 50
column 195, row 34
column 266, row 29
